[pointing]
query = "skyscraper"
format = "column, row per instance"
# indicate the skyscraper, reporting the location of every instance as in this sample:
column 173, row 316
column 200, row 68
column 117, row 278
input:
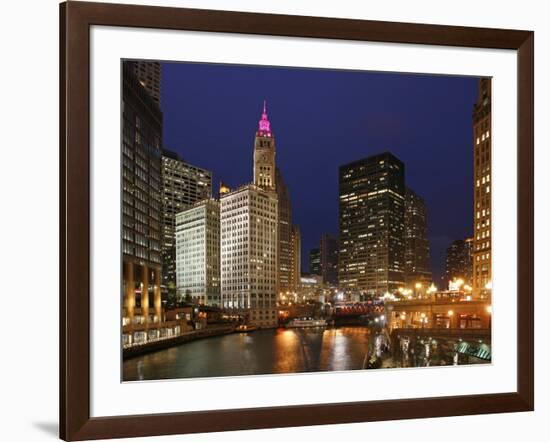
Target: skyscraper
column 141, row 210
column 372, row 211
column 296, row 261
column 198, row 252
column 182, row 185
column 315, row 261
column 148, row 74
column 329, row 259
column 269, row 177
column 417, row 246
column 249, row 246
column 284, row 278
column 482, row 189
column 458, row 262
column 264, row 154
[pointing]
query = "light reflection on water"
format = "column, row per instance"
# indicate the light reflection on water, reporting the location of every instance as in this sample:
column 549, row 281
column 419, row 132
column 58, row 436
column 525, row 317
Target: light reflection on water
column 290, row 351
column 260, row 352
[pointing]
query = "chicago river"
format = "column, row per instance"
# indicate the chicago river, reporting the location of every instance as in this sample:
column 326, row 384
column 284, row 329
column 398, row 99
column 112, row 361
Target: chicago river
column 278, row 351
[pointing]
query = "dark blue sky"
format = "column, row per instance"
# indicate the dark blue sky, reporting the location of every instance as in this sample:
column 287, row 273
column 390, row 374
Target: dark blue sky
column 322, row 119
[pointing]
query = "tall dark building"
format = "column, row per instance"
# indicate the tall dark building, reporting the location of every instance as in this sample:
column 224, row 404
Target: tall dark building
column 372, row 224
column 141, row 209
column 459, row 260
column 482, row 189
column 296, row 264
column 329, row 259
column 148, row 74
column 315, row 262
column 284, row 253
column 182, row 186
column 417, row 246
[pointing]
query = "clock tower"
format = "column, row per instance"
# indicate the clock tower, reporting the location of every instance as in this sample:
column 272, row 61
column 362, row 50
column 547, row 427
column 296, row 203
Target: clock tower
column 264, row 154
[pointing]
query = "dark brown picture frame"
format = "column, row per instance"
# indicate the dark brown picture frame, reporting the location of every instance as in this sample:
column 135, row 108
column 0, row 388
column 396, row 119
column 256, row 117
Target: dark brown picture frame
column 75, row 21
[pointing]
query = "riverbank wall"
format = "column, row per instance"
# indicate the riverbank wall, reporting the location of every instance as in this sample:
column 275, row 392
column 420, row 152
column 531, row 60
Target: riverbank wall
column 151, row 347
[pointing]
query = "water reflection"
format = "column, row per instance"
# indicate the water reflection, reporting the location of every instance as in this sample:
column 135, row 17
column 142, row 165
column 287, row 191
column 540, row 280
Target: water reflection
column 293, row 351
column 260, row 352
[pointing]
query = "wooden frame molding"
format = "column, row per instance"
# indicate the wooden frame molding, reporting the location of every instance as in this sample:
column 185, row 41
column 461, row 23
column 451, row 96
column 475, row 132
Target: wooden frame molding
column 75, row 21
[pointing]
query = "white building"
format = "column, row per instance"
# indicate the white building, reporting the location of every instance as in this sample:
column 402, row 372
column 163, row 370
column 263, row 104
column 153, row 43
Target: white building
column 249, row 247
column 182, row 186
column 198, row 252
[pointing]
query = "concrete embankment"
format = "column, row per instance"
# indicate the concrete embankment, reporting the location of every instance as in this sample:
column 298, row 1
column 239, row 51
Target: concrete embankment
column 150, row 347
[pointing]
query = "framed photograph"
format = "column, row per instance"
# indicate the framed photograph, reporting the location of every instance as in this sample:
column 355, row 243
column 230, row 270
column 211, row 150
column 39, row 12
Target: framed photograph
column 273, row 221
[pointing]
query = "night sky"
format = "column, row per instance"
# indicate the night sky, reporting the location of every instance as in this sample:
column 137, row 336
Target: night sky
column 322, row 119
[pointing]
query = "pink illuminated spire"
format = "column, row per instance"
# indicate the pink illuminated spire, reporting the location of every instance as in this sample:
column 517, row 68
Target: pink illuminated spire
column 263, row 125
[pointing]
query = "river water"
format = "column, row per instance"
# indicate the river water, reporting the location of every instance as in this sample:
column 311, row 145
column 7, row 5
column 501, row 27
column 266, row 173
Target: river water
column 289, row 351
column 259, row 352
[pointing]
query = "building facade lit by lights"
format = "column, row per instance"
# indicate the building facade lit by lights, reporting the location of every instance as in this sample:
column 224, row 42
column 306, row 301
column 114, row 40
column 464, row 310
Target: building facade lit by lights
column 296, row 261
column 182, row 186
column 141, row 211
column 198, row 252
column 285, row 274
column 372, row 223
column 417, row 246
column 482, row 257
column 270, row 178
column 264, row 154
column 459, row 261
column 249, row 245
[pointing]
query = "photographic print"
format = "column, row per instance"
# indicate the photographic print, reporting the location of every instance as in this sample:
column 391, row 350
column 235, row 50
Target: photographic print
column 280, row 220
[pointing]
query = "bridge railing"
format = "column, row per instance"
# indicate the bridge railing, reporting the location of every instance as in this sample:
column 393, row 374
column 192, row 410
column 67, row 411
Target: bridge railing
column 463, row 333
